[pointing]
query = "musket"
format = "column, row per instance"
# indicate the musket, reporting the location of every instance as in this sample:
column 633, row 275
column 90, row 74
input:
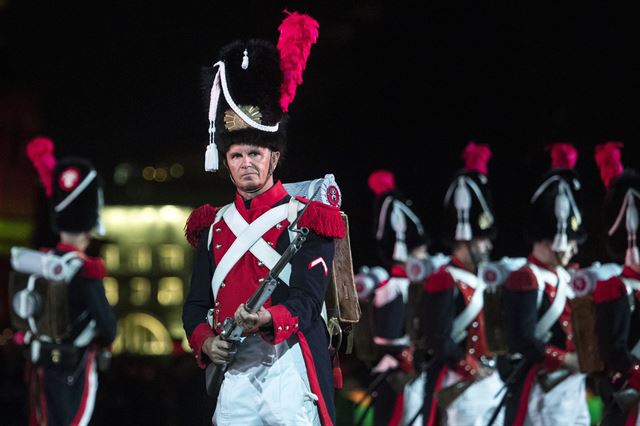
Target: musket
column 231, row 331
column 550, row 380
column 625, row 398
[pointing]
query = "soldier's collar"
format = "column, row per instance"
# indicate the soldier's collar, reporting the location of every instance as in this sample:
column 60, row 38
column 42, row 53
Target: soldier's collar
column 265, row 200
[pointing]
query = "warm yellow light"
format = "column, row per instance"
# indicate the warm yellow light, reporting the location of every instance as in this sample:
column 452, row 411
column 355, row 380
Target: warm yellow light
column 161, row 174
column 149, row 173
column 111, row 290
column 170, row 214
column 171, row 257
column 170, row 291
column 139, row 258
column 111, row 256
column 140, row 289
column 142, row 334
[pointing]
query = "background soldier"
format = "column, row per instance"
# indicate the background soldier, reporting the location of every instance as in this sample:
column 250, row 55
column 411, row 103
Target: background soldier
column 399, row 233
column 62, row 377
column 452, row 307
column 618, row 319
column 537, row 304
column 281, row 372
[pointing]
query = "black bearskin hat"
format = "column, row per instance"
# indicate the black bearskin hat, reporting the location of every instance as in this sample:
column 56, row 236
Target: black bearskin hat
column 72, row 185
column 468, row 210
column 397, row 228
column 620, row 204
column 555, row 211
column 252, row 85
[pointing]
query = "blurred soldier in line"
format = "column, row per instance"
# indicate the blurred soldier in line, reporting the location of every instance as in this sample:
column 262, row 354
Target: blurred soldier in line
column 618, row 316
column 461, row 379
column 399, row 233
column 542, row 372
column 62, row 371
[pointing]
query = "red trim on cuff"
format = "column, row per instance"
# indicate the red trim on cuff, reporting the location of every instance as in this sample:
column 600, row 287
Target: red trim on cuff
column 553, row 357
column 284, row 324
column 196, row 340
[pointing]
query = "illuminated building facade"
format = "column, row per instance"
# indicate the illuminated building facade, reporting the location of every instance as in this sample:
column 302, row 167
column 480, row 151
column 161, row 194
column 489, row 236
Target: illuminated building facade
column 148, row 267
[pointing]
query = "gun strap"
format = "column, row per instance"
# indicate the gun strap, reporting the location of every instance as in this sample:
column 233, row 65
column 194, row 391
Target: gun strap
column 471, row 311
column 563, row 292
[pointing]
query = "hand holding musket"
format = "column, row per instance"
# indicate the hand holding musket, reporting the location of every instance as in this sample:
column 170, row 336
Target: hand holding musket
column 233, row 328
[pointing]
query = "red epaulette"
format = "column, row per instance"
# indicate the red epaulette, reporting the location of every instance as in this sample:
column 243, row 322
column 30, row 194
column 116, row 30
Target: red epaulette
column 94, row 268
column 609, row 290
column 199, row 220
column 522, row 280
column 323, row 219
column 440, row 280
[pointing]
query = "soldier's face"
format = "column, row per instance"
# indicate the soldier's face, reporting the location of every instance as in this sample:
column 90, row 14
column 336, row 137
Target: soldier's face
column 480, row 249
column 564, row 257
column 251, row 166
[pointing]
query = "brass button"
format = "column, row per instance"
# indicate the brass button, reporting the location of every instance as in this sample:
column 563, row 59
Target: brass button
column 218, row 229
column 474, row 324
column 222, row 285
column 260, row 263
column 472, row 351
column 55, row 356
column 218, row 246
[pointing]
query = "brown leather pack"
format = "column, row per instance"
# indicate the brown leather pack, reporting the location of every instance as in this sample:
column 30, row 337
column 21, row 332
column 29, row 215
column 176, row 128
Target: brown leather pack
column 342, row 298
column 583, row 319
column 53, row 319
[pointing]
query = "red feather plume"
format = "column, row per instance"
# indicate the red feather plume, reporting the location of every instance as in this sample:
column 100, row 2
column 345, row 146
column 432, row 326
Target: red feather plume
column 40, row 152
column 381, row 181
column 297, row 33
column 609, row 161
column 563, row 156
column 476, row 157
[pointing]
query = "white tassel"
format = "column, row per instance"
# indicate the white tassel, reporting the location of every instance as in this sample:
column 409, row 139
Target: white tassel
column 562, row 209
column 400, row 251
column 462, row 203
column 245, row 59
column 632, row 256
column 399, row 225
column 211, row 158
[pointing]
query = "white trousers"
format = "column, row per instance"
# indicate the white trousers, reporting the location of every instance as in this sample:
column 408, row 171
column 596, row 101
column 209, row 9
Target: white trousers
column 476, row 404
column 267, row 385
column 413, row 400
column 565, row 404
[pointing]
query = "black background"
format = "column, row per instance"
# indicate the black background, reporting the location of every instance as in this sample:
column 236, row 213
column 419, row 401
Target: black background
column 394, row 85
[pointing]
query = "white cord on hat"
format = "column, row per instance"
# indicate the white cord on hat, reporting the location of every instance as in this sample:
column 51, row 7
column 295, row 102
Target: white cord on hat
column 76, row 192
column 632, row 256
column 564, row 204
column 211, row 162
column 462, row 203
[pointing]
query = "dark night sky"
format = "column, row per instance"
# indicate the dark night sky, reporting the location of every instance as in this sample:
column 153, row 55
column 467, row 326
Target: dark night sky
column 385, row 87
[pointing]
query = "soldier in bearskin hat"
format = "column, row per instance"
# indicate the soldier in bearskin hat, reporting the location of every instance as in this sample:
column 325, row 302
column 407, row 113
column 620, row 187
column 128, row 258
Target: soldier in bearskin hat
column 452, row 305
column 62, row 372
column 617, row 316
column 544, row 384
column 399, row 233
column 281, row 372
